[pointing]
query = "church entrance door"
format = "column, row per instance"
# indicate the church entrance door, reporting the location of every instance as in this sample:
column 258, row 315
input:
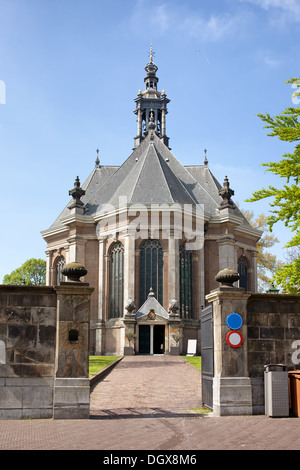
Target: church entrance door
column 159, row 339
column 144, row 339
column 151, row 339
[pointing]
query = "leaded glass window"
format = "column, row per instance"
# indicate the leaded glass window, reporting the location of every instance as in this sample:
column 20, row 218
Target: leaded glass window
column 60, row 263
column 186, row 283
column 151, row 270
column 243, row 272
column 116, row 280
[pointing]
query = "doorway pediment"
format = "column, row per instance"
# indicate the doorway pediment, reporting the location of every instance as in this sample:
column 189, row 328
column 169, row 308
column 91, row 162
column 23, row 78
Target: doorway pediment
column 152, row 310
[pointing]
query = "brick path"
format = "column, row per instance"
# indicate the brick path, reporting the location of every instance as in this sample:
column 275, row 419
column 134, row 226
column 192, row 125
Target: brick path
column 148, row 384
column 147, row 403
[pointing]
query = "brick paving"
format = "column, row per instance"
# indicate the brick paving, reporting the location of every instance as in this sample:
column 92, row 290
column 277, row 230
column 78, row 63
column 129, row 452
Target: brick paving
column 165, row 383
column 149, row 403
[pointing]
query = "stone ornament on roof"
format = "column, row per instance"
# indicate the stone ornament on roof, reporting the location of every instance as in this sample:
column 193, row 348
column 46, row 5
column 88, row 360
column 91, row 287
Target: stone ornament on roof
column 205, row 158
column 97, row 161
column 77, row 192
column 226, row 192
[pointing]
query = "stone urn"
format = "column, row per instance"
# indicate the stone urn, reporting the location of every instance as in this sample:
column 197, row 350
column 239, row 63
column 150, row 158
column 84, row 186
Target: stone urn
column 74, row 271
column 227, row 277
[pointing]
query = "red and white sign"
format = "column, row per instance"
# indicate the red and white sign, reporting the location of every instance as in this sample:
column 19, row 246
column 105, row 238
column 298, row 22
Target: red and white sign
column 234, row 339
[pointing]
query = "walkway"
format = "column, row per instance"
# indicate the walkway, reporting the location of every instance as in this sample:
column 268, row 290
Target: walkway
column 149, row 403
column 151, row 385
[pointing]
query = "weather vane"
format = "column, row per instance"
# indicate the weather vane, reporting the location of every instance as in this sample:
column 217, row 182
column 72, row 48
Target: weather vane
column 151, row 53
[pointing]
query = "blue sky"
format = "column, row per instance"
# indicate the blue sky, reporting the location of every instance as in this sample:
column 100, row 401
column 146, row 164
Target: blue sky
column 70, row 70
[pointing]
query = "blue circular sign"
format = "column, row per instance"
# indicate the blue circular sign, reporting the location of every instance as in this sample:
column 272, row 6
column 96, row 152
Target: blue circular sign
column 234, row 321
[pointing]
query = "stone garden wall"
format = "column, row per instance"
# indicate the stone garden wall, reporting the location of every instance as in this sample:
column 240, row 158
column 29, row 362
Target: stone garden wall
column 44, row 351
column 273, row 330
column 270, row 334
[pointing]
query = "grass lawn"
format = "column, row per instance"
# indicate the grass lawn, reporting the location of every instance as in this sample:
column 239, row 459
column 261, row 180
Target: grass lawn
column 99, row 362
column 194, row 360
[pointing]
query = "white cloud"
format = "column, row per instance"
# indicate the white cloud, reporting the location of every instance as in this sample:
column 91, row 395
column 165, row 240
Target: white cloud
column 271, row 61
column 212, row 29
column 289, row 8
column 173, row 18
column 161, row 18
column 156, row 18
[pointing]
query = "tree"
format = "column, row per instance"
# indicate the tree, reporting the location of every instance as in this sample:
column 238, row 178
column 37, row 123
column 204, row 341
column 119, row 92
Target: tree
column 288, row 275
column 31, row 273
column 285, row 202
column 267, row 263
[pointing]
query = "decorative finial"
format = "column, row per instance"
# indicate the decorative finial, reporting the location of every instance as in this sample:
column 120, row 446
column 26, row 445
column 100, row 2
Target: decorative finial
column 226, row 192
column 151, row 68
column 74, row 271
column 77, row 192
column 151, row 53
column 151, row 293
column 205, row 159
column 227, row 277
column 151, row 125
column 97, row 161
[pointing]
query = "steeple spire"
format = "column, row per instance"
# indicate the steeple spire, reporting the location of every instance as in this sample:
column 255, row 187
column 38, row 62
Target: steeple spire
column 151, row 102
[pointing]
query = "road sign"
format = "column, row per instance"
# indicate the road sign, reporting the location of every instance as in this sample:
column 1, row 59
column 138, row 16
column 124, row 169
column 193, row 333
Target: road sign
column 234, row 339
column 234, row 321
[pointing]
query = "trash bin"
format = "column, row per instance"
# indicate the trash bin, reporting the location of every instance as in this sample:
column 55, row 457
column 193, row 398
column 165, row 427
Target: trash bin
column 294, row 387
column 276, row 390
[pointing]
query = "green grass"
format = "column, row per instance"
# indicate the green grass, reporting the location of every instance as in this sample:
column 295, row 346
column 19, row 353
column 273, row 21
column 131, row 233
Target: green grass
column 194, row 360
column 98, row 363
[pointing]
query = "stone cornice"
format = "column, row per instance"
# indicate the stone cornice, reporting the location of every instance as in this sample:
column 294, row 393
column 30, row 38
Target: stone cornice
column 54, row 231
column 65, row 222
column 228, row 217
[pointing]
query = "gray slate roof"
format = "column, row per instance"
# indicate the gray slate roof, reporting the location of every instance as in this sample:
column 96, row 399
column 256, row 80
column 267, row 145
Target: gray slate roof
column 152, row 303
column 151, row 174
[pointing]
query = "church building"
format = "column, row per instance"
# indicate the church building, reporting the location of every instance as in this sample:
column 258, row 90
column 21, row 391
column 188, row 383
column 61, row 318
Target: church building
column 152, row 235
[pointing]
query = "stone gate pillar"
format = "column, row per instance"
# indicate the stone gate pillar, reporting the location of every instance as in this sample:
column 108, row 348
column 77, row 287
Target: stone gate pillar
column 232, row 391
column 71, row 398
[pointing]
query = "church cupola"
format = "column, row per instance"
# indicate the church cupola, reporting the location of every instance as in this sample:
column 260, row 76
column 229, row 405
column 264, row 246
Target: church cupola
column 151, row 104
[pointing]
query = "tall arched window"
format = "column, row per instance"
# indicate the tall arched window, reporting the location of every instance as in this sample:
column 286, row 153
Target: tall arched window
column 58, row 270
column 151, row 270
column 116, row 280
column 186, row 283
column 243, row 272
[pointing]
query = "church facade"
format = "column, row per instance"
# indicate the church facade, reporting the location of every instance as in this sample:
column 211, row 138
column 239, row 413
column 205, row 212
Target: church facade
column 152, row 235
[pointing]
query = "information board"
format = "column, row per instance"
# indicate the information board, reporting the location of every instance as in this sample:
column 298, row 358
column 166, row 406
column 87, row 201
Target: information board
column 192, row 347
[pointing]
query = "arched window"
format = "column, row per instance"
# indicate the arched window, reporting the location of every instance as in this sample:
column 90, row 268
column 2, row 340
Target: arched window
column 58, row 270
column 151, row 270
column 186, row 282
column 116, row 280
column 243, row 272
